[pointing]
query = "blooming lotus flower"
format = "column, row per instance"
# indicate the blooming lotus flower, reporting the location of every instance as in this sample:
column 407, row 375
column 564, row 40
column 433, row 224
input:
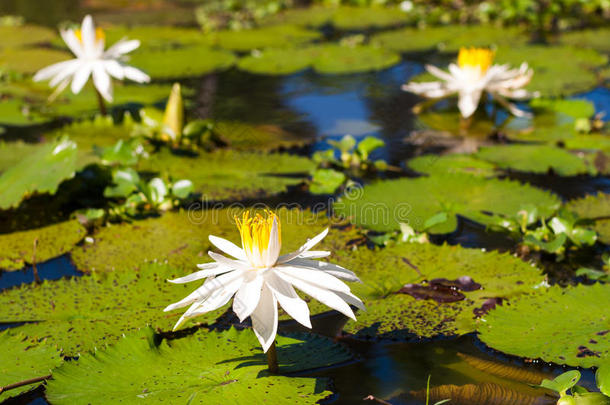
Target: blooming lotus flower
column 473, row 75
column 260, row 279
column 87, row 44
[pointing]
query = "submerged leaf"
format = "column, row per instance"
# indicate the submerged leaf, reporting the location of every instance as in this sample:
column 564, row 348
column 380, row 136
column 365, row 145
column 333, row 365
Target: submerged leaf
column 503, row 370
column 482, row 394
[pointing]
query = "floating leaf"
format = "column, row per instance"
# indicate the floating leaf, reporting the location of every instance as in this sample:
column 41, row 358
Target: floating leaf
column 17, row 112
column 243, row 136
column 592, row 38
column 155, row 37
column 18, row 36
column 275, row 36
column 602, row 377
column 41, row 172
column 282, row 61
column 30, row 60
column 23, row 359
column 86, row 312
column 596, row 207
column 225, row 174
column 565, row 326
column 534, row 158
column 326, row 181
column 562, row 382
column 381, row 206
column 313, row 16
column 207, row 367
column 358, row 18
column 17, row 249
column 188, row 61
column 455, row 163
column 385, row 271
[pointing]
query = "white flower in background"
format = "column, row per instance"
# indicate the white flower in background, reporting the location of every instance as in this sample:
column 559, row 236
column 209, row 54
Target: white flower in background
column 406, row 6
column 260, row 279
column 473, row 75
column 88, row 44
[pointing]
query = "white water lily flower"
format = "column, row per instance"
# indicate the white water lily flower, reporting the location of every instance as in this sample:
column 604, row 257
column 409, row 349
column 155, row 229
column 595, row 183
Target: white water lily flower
column 473, row 75
column 88, row 44
column 260, row 279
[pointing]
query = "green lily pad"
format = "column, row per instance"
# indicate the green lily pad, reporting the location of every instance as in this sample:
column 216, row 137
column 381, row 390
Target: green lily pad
column 385, row 271
column 602, row 377
column 561, row 325
column 452, row 164
column 596, row 207
column 534, row 158
column 154, row 37
column 188, row 61
column 24, row 359
column 18, row 36
column 591, row 143
column 358, row 18
column 449, row 38
column 82, row 313
column 381, row 206
column 275, row 36
column 450, row 122
column 41, row 172
column 303, row 16
column 181, row 239
column 186, row 371
column 243, row 136
column 282, row 61
column 16, row 112
column 12, row 153
column 592, row 38
column 226, row 174
column 558, row 70
column 31, row 60
column 51, row 241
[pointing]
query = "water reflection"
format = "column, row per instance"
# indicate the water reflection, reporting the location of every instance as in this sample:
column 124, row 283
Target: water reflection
column 50, row 270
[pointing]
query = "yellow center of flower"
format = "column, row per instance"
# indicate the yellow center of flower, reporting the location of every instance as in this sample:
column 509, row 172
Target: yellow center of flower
column 99, row 34
column 473, row 57
column 255, row 231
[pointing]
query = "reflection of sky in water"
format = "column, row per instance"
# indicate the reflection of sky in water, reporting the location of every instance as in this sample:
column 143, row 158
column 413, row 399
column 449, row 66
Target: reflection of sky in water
column 600, row 97
column 50, row 270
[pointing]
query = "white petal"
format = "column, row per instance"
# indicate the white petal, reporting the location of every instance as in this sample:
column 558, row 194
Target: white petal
column 468, row 102
column 313, row 276
column 307, row 246
column 102, row 82
column 247, row 297
column 314, row 254
column 212, row 271
column 441, row 74
column 80, row 77
column 332, row 269
column 351, row 299
column 289, row 300
column 115, row 69
column 66, row 73
column 511, row 107
column 273, row 247
column 264, row 319
column 88, row 35
column 52, row 70
column 121, row 48
column 237, row 264
column 326, row 297
column 228, row 247
column 209, row 286
column 135, row 74
column 72, row 41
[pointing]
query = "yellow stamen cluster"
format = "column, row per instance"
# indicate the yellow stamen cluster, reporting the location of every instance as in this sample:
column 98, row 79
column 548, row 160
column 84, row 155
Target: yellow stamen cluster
column 255, row 231
column 480, row 57
column 99, row 34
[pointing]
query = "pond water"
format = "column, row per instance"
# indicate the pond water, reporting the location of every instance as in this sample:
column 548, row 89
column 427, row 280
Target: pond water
column 322, row 107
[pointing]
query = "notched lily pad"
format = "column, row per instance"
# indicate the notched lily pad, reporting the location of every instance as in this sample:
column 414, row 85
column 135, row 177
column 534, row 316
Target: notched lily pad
column 560, row 325
column 207, row 367
column 20, row 248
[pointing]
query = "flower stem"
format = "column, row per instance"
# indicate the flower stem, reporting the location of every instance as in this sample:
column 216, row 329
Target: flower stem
column 24, row 382
column 272, row 359
column 100, row 102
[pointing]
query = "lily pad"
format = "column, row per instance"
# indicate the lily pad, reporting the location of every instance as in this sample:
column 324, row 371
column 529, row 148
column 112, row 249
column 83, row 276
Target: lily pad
column 188, row 61
column 302, row 16
column 596, row 207
column 448, row 38
column 155, row 37
column 282, row 61
column 385, row 271
column 358, row 18
column 381, row 206
column 17, row 112
column 226, row 174
column 187, row 371
column 275, row 36
column 243, row 136
column 452, row 164
column 18, row 36
column 534, row 159
column 591, row 143
column 560, row 325
column 31, row 60
column 82, row 313
column 41, row 172
column 24, row 359
column 592, row 38
column 51, row 241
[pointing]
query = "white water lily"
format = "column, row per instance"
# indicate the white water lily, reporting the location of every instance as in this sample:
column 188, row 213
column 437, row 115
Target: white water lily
column 260, row 279
column 87, row 44
column 473, row 75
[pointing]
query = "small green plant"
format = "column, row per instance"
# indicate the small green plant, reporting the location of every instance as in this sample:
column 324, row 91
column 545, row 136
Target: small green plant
column 570, row 393
column 407, row 234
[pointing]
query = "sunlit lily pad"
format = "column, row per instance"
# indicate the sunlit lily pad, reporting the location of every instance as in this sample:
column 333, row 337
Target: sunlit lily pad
column 565, row 326
column 224, row 174
column 204, row 368
column 18, row 36
column 242, row 136
column 17, row 112
column 592, row 38
column 40, row 172
column 449, row 38
column 596, row 207
column 385, row 271
column 24, row 359
column 302, row 16
column 356, row 18
column 282, row 61
column 591, row 143
column 185, row 61
column 152, row 37
column 534, row 159
column 17, row 249
column 456, row 163
column 90, row 311
column 30, row 60
column 266, row 37
column 381, row 206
